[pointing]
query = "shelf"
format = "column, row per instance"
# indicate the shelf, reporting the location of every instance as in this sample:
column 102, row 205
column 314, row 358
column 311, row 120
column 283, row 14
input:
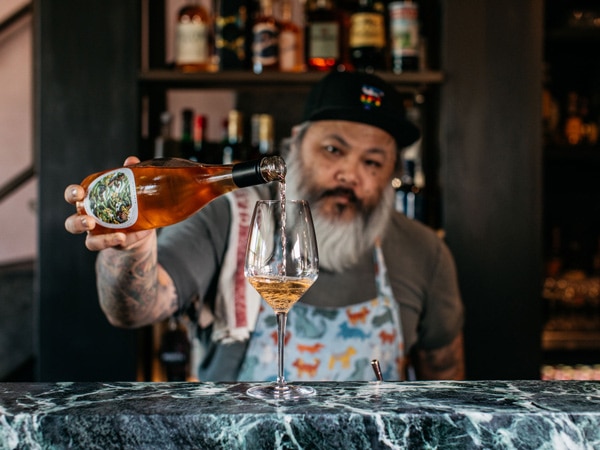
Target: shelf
column 588, row 154
column 412, row 81
column 553, row 340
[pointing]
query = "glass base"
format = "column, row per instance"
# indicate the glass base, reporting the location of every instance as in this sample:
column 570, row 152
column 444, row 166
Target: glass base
column 280, row 392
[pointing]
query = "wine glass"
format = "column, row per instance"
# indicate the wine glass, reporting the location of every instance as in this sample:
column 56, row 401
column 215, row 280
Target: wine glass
column 281, row 264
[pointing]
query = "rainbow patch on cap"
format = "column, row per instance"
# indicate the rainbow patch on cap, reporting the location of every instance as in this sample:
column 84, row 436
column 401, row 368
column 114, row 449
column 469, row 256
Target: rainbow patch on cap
column 371, row 97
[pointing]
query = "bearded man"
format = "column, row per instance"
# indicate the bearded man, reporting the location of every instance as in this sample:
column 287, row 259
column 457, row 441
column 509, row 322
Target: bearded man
column 387, row 286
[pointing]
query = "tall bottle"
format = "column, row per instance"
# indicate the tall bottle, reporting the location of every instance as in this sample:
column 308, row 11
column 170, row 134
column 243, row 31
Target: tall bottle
column 186, row 142
column 231, row 44
column 199, row 138
column 263, row 135
column 234, row 149
column 164, row 145
column 192, row 49
column 323, row 36
column 367, row 40
column 290, row 41
column 161, row 192
column 404, row 36
column 265, row 43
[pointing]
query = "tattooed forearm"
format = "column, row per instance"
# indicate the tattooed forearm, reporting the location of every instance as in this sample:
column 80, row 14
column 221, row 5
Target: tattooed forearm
column 445, row 363
column 132, row 288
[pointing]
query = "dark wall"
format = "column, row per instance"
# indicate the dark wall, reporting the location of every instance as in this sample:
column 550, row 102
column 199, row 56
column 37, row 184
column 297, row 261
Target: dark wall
column 86, row 59
column 491, row 178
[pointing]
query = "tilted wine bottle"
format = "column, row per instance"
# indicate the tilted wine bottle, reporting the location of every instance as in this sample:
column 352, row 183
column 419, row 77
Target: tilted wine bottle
column 161, row 192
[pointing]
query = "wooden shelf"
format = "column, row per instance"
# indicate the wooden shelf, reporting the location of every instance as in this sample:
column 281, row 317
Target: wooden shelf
column 238, row 79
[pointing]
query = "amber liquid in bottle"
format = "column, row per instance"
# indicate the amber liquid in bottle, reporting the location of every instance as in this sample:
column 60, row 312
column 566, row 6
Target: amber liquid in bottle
column 265, row 44
column 323, row 36
column 162, row 192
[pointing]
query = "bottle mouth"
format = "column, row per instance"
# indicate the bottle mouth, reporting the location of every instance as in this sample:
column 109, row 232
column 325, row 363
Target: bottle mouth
column 273, row 168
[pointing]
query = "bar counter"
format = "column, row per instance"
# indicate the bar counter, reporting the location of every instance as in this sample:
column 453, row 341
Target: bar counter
column 374, row 415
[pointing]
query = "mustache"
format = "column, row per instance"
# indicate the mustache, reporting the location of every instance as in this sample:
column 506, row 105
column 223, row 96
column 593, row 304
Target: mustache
column 341, row 191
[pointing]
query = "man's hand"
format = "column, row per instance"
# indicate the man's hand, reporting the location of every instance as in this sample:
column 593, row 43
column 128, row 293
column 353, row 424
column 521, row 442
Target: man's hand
column 77, row 224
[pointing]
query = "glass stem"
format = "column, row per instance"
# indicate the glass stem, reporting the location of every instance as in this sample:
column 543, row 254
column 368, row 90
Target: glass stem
column 281, row 320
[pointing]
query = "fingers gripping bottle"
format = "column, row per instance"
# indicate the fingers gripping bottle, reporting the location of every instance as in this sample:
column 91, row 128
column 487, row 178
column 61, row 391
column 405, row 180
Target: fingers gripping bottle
column 164, row 191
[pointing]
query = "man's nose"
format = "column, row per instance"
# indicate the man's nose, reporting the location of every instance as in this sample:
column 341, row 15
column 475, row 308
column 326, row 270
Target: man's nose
column 348, row 173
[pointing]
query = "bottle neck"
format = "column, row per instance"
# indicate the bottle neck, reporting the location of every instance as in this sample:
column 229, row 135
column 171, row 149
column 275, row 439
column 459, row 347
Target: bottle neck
column 265, row 170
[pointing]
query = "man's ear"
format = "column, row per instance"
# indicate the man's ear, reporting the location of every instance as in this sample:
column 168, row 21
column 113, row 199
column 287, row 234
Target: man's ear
column 296, row 130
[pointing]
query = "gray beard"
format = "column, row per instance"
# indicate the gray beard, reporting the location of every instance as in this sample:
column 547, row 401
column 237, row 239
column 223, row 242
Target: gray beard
column 340, row 244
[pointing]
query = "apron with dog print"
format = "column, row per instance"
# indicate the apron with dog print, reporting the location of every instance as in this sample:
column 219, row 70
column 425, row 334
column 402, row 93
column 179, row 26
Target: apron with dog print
column 331, row 344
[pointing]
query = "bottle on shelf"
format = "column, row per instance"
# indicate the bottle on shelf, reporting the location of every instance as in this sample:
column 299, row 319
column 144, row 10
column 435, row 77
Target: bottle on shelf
column 161, row 192
column 231, row 35
column 199, row 139
column 367, row 37
column 192, row 40
column 408, row 195
column 573, row 127
column 164, row 144
column 290, row 41
column 323, row 36
column 234, row 149
column 404, row 36
column 263, row 135
column 186, row 143
column 265, row 42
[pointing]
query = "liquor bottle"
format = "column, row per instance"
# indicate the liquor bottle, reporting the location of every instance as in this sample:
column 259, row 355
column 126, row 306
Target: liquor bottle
column 573, row 128
column 199, row 139
column 323, row 36
column 234, row 149
column 164, row 145
column 265, row 42
column 404, row 36
column 367, row 41
column 231, row 35
column 290, row 41
column 408, row 194
column 192, row 51
column 186, row 143
column 263, row 142
column 161, row 192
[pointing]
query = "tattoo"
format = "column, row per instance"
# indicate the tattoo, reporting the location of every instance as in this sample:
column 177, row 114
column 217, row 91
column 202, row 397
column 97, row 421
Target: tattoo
column 130, row 290
column 445, row 363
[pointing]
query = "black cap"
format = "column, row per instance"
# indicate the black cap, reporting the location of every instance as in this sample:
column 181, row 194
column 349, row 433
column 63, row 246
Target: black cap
column 364, row 98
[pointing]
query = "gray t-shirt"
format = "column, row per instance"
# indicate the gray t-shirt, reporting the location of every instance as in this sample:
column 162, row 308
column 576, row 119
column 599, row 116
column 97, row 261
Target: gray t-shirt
column 420, row 267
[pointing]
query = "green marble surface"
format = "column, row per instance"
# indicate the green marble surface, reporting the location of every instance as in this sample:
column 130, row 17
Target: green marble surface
column 378, row 415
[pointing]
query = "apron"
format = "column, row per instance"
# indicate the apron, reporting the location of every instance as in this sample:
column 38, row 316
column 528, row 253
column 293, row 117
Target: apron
column 331, row 344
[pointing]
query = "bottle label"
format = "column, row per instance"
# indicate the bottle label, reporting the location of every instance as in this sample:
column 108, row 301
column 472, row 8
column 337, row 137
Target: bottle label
column 265, row 47
column 324, row 38
column 404, row 29
column 192, row 43
column 112, row 199
column 367, row 30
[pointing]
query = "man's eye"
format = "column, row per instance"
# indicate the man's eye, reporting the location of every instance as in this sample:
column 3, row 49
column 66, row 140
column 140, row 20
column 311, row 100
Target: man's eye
column 373, row 163
column 331, row 149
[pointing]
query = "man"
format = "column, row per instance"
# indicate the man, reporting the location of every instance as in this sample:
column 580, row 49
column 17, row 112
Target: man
column 387, row 286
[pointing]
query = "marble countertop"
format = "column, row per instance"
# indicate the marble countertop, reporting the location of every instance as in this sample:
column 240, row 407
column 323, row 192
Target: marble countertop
column 377, row 415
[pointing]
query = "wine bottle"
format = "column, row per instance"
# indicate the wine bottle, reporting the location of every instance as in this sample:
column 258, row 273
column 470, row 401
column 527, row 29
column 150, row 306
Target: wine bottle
column 367, row 41
column 263, row 142
column 192, row 52
column 234, row 149
column 161, row 192
column 265, row 43
column 164, row 145
column 404, row 36
column 186, row 143
column 199, row 138
column 323, row 36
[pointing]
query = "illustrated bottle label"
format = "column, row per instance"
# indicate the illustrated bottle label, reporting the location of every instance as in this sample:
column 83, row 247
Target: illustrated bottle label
column 112, row 199
column 192, row 43
column 404, row 29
